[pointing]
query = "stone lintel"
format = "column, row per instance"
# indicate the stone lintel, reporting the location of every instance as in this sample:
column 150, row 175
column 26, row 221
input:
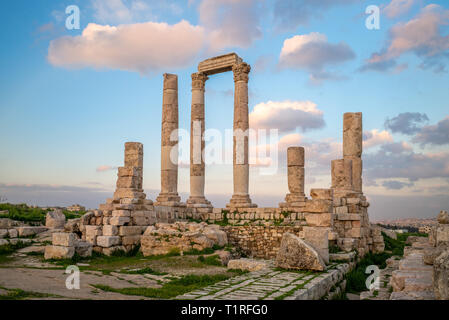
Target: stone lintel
column 219, row 64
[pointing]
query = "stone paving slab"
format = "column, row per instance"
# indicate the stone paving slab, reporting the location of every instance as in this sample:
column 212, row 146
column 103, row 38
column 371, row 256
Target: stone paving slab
column 271, row 283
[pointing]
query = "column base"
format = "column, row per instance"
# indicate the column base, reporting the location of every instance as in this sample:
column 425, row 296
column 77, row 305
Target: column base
column 240, row 201
column 169, row 200
column 198, row 202
column 294, row 200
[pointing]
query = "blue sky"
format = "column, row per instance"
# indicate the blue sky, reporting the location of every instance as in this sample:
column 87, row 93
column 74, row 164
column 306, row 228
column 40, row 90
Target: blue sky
column 65, row 113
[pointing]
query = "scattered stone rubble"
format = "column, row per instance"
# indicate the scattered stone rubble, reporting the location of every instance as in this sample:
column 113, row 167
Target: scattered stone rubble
column 65, row 245
column 163, row 238
column 12, row 231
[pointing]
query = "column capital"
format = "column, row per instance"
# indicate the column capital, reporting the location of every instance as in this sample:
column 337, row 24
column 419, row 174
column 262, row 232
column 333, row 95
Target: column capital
column 199, row 80
column 241, row 71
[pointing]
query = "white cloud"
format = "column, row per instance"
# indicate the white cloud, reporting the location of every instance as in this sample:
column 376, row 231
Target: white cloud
column 104, row 168
column 142, row 47
column 313, row 53
column 230, row 23
column 286, row 116
column 375, row 138
column 398, row 7
column 421, row 36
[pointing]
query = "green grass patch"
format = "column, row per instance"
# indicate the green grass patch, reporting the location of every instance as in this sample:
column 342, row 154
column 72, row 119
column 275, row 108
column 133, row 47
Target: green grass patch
column 7, row 249
column 355, row 280
column 210, row 260
column 170, row 289
column 22, row 212
column 146, row 270
column 395, row 246
column 19, row 294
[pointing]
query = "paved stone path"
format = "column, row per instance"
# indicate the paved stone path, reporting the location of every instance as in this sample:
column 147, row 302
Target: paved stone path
column 268, row 284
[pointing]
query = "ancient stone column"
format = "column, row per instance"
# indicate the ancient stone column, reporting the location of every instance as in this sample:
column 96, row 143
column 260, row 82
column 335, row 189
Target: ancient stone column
column 295, row 168
column 169, row 143
column 130, row 177
column 342, row 174
column 240, row 197
column 197, row 144
column 352, row 146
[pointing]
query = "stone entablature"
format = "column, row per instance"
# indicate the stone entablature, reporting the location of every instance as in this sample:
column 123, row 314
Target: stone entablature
column 219, row 64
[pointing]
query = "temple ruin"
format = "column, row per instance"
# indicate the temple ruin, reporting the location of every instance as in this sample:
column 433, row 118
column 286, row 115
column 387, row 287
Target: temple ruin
column 330, row 217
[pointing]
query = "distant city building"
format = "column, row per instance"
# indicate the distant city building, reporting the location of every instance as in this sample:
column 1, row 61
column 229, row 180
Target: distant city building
column 76, row 207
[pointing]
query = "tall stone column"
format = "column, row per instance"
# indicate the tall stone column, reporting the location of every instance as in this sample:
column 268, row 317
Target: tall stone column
column 295, row 168
column 169, row 143
column 240, row 197
column 353, row 145
column 197, row 144
column 342, row 175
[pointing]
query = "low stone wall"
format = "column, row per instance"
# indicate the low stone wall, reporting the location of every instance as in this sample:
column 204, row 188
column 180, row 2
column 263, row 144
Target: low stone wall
column 259, row 241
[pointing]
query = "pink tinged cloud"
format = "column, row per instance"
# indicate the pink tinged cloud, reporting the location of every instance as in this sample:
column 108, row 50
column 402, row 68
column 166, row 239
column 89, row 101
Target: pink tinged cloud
column 286, row 116
column 143, row 47
column 104, row 168
column 421, row 35
column 375, row 138
column 398, row 7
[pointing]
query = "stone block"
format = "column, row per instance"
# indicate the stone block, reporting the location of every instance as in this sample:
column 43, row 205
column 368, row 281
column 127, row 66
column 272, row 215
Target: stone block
column 247, row 264
column 318, row 206
column 323, row 194
column 64, row 239
column 130, row 230
column 58, row 252
column 319, row 219
column 30, row 231
column 295, row 253
column 318, row 238
column 131, row 240
column 119, row 221
column 109, row 230
column 93, row 231
column 108, row 241
column 55, row 219
column 83, row 249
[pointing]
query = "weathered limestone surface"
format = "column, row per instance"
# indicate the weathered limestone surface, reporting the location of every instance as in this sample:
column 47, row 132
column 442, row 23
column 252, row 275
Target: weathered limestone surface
column 219, row 64
column 197, row 143
column 352, row 146
column 342, row 174
column 59, row 252
column 181, row 236
column 247, row 264
column 441, row 276
column 55, row 219
column 169, row 143
column 443, row 217
column 295, row 170
column 295, row 253
column 240, row 197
